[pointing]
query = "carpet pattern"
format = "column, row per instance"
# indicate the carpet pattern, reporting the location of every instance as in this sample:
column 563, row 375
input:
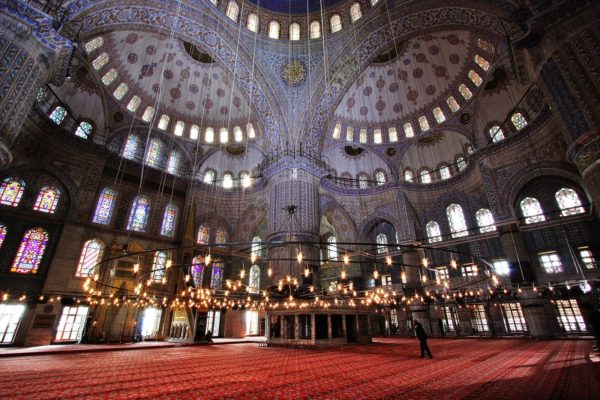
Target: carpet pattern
column 388, row 369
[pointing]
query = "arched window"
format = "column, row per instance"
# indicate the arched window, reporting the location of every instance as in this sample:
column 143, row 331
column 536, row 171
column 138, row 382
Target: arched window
column 393, row 134
column 134, row 103
column 173, row 162
column 461, row 163
column 496, row 133
column 532, row 210
column 58, row 115
column 294, row 31
column 408, row 175
column 47, row 199
column 163, row 122
column 131, row 146
column 110, row 76
column 84, row 130
column 423, row 123
column 433, row 232
column 227, row 180
column 337, row 130
column 485, row 220
column 159, row 266
column 445, row 172
column 138, row 216
column 377, row 136
column 209, row 135
column 11, row 192
column 154, row 152
column 373, row 2
column 197, row 268
column 568, row 202
column 223, row 135
column 3, row 231
column 335, row 23
column 104, row 206
column 209, row 177
column 254, row 279
column 179, row 128
column 121, row 91
column 203, row 236
column 355, row 11
column 194, row 132
column 273, row 30
column 238, row 135
column 31, row 251
column 148, row 114
column 518, row 121
column 257, row 246
column 250, row 130
column 332, row 250
column 380, row 178
column 94, row 44
column 475, row 78
column 456, row 220
column 425, row 176
column 100, row 61
column 169, row 220
column 382, row 242
column 465, row 91
column 362, row 181
column 452, row 104
column 482, row 62
column 252, row 22
column 315, row 30
column 216, row 276
column 221, row 236
column 233, row 10
column 362, row 136
column 91, row 255
column 245, row 179
column 438, row 114
column 349, row 133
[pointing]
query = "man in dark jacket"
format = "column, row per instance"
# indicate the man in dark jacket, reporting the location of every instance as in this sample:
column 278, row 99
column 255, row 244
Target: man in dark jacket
column 422, row 336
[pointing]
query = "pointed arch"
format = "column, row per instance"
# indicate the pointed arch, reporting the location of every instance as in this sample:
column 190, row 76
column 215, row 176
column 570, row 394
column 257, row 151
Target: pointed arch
column 91, row 255
column 31, row 251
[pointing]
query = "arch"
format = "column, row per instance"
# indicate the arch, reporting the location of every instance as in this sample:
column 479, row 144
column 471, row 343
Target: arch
column 315, row 29
column 139, row 214
column 47, row 200
column 274, row 30
column 355, row 11
column 104, row 206
column 382, row 243
column 31, row 251
column 532, row 210
column 197, row 270
column 91, row 255
column 233, row 10
column 203, row 234
column 335, row 23
column 341, row 221
column 294, row 31
column 569, row 202
column 252, row 22
column 169, row 220
column 11, row 191
column 153, row 155
column 434, row 234
column 159, row 266
column 485, row 220
column 456, row 220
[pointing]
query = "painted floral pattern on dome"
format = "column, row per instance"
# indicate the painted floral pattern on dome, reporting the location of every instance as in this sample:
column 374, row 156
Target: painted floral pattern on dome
column 293, row 72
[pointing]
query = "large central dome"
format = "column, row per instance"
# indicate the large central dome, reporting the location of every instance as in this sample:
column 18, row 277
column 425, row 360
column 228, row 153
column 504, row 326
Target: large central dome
column 295, row 6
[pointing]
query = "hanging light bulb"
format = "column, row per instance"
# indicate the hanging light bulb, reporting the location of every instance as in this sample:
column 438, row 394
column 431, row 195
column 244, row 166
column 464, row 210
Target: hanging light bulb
column 453, row 263
column 270, row 271
column 169, row 263
column 403, row 277
column 207, row 259
column 253, row 257
column 388, row 260
column 299, row 257
column 343, row 274
column 187, row 278
column 425, row 262
column 136, row 268
column 306, row 272
column 346, row 259
column 375, row 274
column 242, row 273
column 424, row 278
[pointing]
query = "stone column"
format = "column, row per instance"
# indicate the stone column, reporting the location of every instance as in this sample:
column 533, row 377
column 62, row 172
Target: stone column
column 296, row 326
column 313, row 328
column 329, row 328
column 32, row 54
column 515, row 251
column 412, row 261
column 344, row 328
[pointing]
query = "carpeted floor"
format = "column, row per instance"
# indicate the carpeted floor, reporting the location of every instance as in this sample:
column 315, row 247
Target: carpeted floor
column 461, row 369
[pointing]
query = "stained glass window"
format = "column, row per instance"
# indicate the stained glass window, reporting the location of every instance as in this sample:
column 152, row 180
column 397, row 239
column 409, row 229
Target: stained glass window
column 134, row 103
column 485, row 220
column 153, row 153
column 84, row 130
column 47, row 199
column 104, row 206
column 382, row 242
column 461, row 163
column 159, row 266
column 408, row 175
column 246, row 179
column 31, row 251
column 169, row 219
column 439, row 115
column 223, row 135
column 11, row 192
column 456, row 220
column 252, row 22
column 121, row 91
column 110, row 76
column 257, row 246
column 3, row 231
column 475, row 78
column 445, row 172
column 163, row 122
column 453, row 104
column 140, row 211
column 393, row 134
column 433, row 232
column 198, row 271
column 335, row 23
column 203, row 234
column 94, row 44
column 518, row 121
column 315, row 29
column 131, row 145
column 496, row 133
column 91, row 255
column 148, row 114
column 425, row 176
column 362, row 181
column 216, row 276
column 465, row 91
column 100, row 61
column 332, row 250
column 551, row 263
column 221, row 236
column 569, row 202
column 482, row 62
column 173, row 162
column 58, row 115
column 41, row 95
column 355, row 12
column 532, row 210
column 254, row 279
column 423, row 123
column 294, row 31
column 487, row 46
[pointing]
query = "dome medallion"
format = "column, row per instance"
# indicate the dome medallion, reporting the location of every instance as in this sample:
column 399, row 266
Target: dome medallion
column 293, row 72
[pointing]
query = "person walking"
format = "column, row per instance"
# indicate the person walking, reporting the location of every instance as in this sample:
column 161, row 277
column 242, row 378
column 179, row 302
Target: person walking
column 422, row 336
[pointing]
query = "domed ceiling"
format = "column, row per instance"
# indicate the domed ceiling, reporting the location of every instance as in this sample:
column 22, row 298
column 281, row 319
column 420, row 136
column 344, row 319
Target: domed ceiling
column 295, row 6
column 191, row 86
column 425, row 71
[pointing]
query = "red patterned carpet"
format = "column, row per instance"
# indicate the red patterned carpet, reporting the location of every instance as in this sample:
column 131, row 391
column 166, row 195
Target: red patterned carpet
column 389, row 369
